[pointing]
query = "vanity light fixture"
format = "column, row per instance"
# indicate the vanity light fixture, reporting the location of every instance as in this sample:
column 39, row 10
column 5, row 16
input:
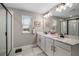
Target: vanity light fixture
column 58, row 9
column 68, row 5
column 63, row 6
column 45, row 16
column 48, row 15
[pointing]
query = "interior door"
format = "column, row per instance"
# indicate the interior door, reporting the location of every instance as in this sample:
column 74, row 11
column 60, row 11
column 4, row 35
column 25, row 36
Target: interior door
column 2, row 31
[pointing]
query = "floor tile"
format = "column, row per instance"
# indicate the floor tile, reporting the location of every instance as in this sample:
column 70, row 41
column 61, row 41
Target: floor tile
column 29, row 51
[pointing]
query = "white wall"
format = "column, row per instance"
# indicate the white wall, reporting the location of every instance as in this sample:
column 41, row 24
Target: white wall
column 19, row 38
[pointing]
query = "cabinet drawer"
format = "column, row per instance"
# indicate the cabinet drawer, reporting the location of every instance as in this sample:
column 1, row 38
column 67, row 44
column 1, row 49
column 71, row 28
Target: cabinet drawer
column 63, row 45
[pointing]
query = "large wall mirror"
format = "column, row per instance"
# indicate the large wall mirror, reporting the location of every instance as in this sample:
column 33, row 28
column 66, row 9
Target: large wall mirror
column 71, row 27
column 64, row 27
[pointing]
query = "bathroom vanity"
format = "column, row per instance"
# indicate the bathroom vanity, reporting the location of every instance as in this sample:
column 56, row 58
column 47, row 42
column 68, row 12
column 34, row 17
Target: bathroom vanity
column 56, row 46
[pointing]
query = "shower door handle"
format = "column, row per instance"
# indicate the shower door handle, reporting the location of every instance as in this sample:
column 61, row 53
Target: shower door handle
column 5, row 33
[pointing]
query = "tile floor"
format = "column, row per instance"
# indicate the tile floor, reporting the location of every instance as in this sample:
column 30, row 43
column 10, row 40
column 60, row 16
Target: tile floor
column 29, row 50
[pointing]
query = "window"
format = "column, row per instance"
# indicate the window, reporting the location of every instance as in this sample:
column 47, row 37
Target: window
column 26, row 22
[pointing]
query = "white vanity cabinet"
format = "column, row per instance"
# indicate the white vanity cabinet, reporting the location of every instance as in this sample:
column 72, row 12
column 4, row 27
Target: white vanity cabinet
column 64, row 49
column 57, row 46
column 49, row 47
column 43, row 43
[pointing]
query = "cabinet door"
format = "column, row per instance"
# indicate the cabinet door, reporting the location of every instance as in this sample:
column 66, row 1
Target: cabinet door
column 61, row 52
column 39, row 40
column 49, row 47
column 43, row 43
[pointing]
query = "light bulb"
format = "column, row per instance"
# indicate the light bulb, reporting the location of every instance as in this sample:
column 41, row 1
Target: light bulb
column 62, row 7
column 49, row 14
column 45, row 16
column 58, row 9
column 69, row 5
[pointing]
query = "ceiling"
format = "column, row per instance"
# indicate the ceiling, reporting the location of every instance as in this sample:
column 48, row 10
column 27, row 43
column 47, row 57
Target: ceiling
column 34, row 7
column 44, row 7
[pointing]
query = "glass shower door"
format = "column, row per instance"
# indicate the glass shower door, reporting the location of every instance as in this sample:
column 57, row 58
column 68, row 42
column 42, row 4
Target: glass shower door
column 2, row 31
column 5, row 31
column 9, row 33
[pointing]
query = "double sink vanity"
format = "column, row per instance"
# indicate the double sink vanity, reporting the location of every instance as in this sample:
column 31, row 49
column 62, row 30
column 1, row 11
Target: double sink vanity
column 53, row 45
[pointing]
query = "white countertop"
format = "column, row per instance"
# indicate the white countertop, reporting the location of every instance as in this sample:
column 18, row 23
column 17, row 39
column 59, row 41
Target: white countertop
column 70, row 40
